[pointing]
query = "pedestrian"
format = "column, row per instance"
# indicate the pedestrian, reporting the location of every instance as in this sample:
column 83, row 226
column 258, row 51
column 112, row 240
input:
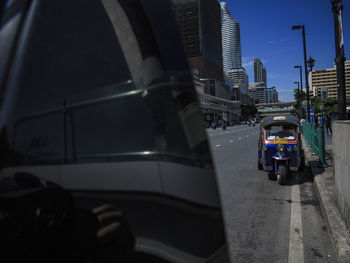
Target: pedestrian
column 328, row 125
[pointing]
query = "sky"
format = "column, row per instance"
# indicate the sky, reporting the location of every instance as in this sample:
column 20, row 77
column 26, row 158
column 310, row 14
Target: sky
column 266, row 34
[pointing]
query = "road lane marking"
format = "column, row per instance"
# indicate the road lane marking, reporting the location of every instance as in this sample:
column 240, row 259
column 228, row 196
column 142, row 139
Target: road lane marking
column 296, row 246
column 240, row 138
column 231, row 140
column 218, row 145
column 247, row 136
column 229, row 131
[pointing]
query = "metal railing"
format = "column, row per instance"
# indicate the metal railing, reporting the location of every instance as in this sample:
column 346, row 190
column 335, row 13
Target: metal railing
column 315, row 139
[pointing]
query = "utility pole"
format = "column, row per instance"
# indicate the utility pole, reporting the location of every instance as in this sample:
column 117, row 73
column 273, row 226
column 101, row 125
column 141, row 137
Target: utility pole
column 337, row 8
column 306, row 73
column 301, row 90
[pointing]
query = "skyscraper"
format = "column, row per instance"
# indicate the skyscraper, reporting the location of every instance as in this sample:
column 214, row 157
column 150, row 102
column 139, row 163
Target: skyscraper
column 199, row 22
column 259, row 71
column 271, row 95
column 257, row 91
column 231, row 40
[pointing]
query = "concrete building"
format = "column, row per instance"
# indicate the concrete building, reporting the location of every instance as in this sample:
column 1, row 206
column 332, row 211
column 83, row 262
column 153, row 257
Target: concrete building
column 259, row 71
column 199, row 22
column 231, row 40
column 324, row 82
column 239, row 77
column 271, row 95
column 238, row 92
column 257, row 91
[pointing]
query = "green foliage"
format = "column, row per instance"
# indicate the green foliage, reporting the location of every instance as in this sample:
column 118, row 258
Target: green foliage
column 329, row 106
column 248, row 110
column 297, row 98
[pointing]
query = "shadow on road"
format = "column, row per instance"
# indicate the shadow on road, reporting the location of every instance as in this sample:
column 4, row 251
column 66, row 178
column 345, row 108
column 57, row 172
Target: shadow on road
column 295, row 178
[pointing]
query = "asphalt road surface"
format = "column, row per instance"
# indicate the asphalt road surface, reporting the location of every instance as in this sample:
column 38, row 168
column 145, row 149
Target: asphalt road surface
column 265, row 221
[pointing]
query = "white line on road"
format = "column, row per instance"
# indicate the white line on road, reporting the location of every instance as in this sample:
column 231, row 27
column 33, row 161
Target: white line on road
column 240, row 138
column 218, row 145
column 231, row 140
column 296, row 246
column 247, row 136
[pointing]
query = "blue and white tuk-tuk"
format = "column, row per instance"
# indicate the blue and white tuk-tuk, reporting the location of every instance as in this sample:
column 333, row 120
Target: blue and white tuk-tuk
column 279, row 149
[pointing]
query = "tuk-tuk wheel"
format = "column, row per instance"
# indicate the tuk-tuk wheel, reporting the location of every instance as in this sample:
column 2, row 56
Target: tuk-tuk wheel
column 282, row 174
column 260, row 166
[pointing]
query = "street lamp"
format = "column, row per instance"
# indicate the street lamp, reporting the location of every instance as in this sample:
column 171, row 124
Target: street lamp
column 305, row 68
column 311, row 63
column 301, row 90
column 299, row 98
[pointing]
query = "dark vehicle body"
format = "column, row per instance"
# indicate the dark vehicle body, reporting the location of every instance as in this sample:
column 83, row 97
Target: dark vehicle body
column 92, row 99
column 279, row 148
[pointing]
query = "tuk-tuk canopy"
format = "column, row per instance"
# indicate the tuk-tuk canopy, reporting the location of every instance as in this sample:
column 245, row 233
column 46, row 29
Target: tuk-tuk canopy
column 279, row 120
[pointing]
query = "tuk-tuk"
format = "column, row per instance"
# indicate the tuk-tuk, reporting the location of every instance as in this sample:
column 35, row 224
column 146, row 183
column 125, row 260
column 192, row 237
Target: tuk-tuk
column 280, row 149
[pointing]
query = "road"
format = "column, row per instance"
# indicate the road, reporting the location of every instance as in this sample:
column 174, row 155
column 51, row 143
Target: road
column 266, row 222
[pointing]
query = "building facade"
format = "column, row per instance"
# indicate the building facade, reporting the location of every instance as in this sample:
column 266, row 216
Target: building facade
column 239, row 77
column 231, row 40
column 259, row 71
column 271, row 95
column 199, row 22
column 257, row 91
column 324, row 82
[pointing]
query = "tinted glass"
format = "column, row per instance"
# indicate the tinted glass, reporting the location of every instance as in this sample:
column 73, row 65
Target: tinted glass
column 57, row 67
column 280, row 132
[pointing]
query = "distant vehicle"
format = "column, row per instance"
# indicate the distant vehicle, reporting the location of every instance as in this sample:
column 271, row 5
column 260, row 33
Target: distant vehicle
column 279, row 148
column 251, row 122
column 97, row 97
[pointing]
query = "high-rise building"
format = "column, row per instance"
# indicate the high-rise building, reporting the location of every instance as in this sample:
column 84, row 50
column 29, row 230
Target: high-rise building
column 257, row 91
column 271, row 95
column 325, row 81
column 199, row 22
column 263, row 75
column 231, row 40
column 259, row 71
column 239, row 77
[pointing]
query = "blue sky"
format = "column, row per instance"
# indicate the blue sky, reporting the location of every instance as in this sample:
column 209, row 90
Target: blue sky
column 266, row 34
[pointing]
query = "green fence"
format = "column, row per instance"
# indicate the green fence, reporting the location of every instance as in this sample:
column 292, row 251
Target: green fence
column 315, row 139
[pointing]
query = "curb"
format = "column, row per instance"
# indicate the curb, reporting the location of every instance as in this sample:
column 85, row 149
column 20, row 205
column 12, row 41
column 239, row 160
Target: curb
column 324, row 186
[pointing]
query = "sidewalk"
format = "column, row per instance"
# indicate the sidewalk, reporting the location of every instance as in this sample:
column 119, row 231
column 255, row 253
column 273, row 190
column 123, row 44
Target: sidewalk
column 324, row 185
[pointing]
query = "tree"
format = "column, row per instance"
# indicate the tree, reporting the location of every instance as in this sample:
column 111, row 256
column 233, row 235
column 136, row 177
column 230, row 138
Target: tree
column 329, row 106
column 297, row 98
column 248, row 110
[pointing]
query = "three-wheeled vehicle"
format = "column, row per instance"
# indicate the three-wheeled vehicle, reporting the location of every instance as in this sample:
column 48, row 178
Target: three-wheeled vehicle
column 280, row 149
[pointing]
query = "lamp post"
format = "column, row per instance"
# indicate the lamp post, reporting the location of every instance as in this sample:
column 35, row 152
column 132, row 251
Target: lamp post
column 305, row 67
column 301, row 89
column 311, row 63
column 299, row 98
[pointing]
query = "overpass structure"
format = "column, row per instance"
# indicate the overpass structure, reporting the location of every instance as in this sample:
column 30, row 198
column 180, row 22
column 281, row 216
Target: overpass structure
column 215, row 108
column 266, row 109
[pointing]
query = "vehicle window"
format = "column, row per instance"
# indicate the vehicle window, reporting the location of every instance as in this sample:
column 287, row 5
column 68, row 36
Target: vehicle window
column 280, row 132
column 59, row 67
column 81, row 80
